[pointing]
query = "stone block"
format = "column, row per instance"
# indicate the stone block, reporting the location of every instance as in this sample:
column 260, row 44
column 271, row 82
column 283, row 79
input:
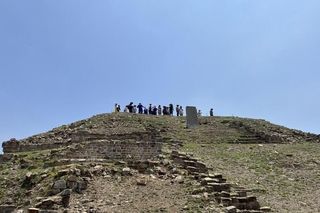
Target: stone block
column 254, row 205
column 190, row 163
column 215, row 175
column 251, row 198
column 126, row 171
column 192, row 117
column 192, row 169
column 219, row 187
column 201, row 165
column 207, row 180
column 63, row 172
column 265, row 209
column 231, row 209
column 60, row 184
column 142, row 181
column 225, row 201
column 225, row 194
column 242, row 193
column 33, row 210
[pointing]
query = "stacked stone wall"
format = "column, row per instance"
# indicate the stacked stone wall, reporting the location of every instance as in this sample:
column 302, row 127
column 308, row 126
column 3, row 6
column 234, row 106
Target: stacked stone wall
column 14, row 146
column 25, row 145
column 114, row 150
column 10, row 146
column 86, row 136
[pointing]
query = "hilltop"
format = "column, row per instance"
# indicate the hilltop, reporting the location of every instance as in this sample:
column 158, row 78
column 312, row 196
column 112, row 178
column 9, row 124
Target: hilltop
column 272, row 163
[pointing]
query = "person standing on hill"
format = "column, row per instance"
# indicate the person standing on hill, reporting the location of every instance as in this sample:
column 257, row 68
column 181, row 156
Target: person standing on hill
column 130, row 107
column 140, row 108
column 211, row 112
column 164, row 110
column 154, row 110
column 115, row 107
column 150, row 109
column 181, row 111
column 159, row 110
column 171, row 109
column 177, row 109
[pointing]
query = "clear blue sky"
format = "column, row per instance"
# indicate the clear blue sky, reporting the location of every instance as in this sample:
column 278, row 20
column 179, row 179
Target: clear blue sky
column 63, row 61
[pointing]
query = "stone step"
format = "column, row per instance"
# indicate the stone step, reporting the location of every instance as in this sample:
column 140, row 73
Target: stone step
column 248, row 139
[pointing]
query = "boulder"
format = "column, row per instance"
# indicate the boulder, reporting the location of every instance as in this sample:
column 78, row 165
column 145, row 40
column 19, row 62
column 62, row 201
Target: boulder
column 72, row 182
column 126, row 171
column 179, row 179
column 142, row 181
column 82, row 184
column 60, row 184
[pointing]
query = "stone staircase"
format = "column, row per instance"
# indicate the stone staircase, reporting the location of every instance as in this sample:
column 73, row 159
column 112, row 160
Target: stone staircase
column 212, row 186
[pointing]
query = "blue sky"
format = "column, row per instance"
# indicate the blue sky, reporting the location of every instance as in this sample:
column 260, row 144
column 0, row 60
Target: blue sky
column 63, row 61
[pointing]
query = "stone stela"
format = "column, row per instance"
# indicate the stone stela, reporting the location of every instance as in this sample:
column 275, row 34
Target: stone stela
column 192, row 117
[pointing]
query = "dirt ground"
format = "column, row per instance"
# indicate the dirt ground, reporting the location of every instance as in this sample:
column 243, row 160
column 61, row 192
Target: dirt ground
column 122, row 194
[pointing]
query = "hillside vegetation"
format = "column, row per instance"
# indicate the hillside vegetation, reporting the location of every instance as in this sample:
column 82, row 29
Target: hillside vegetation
column 278, row 165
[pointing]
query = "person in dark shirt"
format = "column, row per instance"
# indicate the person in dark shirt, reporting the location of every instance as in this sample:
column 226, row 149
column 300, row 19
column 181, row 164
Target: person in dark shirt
column 211, row 112
column 154, row 110
column 145, row 110
column 159, row 110
column 177, row 109
column 130, row 107
column 171, row 109
column 165, row 110
column 140, row 107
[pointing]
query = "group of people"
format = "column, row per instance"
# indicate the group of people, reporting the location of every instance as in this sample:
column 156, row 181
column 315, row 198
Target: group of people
column 151, row 110
column 154, row 110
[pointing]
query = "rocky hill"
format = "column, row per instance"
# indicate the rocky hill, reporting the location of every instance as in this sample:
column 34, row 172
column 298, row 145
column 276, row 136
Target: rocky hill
column 143, row 163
